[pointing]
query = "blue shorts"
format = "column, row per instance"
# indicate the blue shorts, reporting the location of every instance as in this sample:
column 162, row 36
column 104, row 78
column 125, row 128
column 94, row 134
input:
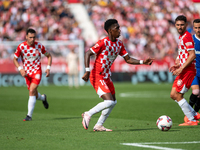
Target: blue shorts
column 196, row 81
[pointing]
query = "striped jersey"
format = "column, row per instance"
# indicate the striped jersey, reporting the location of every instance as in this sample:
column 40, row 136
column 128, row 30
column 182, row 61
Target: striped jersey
column 197, row 52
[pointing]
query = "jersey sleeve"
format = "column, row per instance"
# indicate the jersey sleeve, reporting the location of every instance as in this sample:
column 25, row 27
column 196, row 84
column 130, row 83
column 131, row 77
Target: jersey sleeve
column 97, row 47
column 123, row 51
column 188, row 42
column 17, row 52
column 43, row 49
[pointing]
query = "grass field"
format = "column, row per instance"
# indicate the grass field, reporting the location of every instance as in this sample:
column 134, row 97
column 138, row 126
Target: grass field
column 133, row 120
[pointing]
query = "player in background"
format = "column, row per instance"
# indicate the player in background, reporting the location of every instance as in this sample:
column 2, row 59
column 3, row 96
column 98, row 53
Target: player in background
column 195, row 96
column 184, row 70
column 106, row 51
column 30, row 53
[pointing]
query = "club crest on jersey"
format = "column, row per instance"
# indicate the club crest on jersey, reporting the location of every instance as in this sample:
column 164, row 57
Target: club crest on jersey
column 179, row 82
column 96, row 45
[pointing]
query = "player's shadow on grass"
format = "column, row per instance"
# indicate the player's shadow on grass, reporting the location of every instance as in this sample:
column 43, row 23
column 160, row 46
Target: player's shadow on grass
column 171, row 130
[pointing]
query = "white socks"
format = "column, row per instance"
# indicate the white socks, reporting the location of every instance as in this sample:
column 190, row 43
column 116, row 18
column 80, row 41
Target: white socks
column 31, row 105
column 101, row 106
column 105, row 113
column 40, row 97
column 187, row 109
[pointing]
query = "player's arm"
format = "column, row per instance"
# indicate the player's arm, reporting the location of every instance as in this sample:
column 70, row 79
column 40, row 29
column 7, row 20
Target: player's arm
column 176, row 66
column 189, row 60
column 49, row 57
column 21, row 70
column 134, row 61
column 87, row 65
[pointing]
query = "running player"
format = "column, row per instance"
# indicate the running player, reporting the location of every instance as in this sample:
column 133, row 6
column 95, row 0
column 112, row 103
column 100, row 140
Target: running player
column 185, row 71
column 30, row 53
column 106, row 51
column 195, row 96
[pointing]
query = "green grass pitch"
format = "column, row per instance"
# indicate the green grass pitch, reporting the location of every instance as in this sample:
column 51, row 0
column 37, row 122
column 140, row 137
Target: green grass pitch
column 133, row 120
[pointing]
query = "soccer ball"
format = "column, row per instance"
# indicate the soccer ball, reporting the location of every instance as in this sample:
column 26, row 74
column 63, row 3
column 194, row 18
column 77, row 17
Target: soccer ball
column 164, row 123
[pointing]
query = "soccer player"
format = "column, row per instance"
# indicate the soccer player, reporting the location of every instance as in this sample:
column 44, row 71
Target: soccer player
column 106, row 51
column 30, row 53
column 195, row 96
column 184, row 70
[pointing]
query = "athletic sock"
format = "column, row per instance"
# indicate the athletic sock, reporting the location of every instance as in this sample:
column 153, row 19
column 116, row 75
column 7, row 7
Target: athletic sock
column 187, row 109
column 193, row 99
column 105, row 113
column 100, row 106
column 40, row 97
column 31, row 105
column 197, row 105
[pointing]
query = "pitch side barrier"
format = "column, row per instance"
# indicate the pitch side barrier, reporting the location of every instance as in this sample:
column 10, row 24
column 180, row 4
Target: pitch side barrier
column 61, row 79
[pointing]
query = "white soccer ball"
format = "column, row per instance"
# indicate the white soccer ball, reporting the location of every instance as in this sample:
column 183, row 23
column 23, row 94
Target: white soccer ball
column 164, row 123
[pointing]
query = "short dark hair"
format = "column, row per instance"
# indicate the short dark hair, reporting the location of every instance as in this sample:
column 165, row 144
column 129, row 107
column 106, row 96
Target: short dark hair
column 30, row 30
column 109, row 23
column 196, row 21
column 181, row 18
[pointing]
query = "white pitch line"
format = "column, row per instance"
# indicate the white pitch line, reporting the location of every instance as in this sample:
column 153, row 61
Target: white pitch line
column 192, row 142
column 150, row 146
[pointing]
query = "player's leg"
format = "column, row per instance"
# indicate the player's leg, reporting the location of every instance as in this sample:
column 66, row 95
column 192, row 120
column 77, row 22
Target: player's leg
column 106, row 112
column 36, row 79
column 31, row 101
column 104, row 92
column 197, row 104
column 179, row 87
column 195, row 91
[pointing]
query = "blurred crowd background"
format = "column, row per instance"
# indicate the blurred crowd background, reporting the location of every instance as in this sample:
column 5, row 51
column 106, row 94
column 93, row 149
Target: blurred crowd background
column 147, row 26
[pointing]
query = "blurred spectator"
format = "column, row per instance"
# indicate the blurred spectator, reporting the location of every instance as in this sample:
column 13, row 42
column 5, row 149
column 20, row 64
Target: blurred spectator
column 145, row 24
column 72, row 62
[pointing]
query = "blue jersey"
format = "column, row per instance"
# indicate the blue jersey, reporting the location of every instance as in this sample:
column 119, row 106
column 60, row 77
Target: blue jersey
column 197, row 52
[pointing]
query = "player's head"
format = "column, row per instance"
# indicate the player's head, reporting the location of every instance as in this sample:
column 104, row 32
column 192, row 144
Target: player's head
column 112, row 27
column 196, row 27
column 30, row 36
column 181, row 24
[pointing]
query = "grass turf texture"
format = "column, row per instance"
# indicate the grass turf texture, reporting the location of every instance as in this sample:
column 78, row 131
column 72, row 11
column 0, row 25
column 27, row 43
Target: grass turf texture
column 133, row 119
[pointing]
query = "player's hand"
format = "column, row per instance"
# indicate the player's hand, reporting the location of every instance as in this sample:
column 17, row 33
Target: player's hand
column 47, row 73
column 173, row 68
column 177, row 71
column 86, row 76
column 148, row 61
column 23, row 73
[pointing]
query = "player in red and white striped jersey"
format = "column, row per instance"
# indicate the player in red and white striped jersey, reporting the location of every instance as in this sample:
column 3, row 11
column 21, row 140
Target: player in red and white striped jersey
column 30, row 53
column 106, row 51
column 185, row 71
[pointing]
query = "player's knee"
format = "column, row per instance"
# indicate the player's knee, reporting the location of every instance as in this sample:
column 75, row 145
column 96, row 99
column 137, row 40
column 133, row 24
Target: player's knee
column 195, row 91
column 109, row 103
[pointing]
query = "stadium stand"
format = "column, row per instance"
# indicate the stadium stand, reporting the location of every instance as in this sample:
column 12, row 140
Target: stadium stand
column 147, row 27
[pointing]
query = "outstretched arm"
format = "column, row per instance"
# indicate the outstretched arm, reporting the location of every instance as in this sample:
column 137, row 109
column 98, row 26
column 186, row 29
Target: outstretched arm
column 87, row 65
column 134, row 61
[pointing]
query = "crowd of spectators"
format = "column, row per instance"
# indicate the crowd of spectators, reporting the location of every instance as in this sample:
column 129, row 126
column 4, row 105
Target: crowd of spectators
column 147, row 26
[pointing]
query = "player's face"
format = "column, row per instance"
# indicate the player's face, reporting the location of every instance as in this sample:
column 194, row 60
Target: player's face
column 196, row 28
column 181, row 26
column 115, row 30
column 30, row 38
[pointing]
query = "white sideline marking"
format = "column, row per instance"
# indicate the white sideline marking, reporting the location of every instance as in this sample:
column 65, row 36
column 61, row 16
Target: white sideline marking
column 149, row 146
column 159, row 147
